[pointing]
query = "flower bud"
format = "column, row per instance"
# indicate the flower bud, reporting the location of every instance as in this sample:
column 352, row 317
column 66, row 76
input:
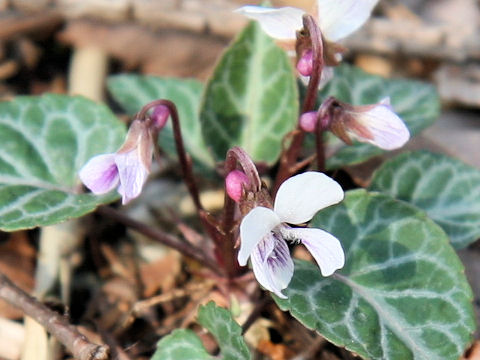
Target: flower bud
column 160, row 116
column 234, row 183
column 305, row 64
column 308, row 121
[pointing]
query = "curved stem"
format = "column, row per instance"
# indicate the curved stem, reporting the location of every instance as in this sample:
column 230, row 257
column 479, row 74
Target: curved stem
column 290, row 156
column 183, row 157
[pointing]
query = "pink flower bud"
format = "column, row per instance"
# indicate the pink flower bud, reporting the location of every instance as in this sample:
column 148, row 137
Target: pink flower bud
column 160, row 116
column 305, row 64
column 308, row 121
column 234, row 183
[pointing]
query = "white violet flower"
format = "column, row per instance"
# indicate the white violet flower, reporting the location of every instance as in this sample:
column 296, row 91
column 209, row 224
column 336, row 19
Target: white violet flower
column 336, row 18
column 264, row 232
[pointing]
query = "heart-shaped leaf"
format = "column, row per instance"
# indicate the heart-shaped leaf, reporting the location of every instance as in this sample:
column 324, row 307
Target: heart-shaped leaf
column 447, row 189
column 417, row 103
column 44, row 141
column 185, row 344
column 135, row 91
column 252, row 99
column 181, row 344
column 402, row 293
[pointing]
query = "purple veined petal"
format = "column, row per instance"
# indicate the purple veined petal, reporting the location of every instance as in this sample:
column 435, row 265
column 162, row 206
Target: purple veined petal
column 324, row 247
column 272, row 264
column 339, row 18
column 133, row 175
column 388, row 130
column 100, row 174
column 281, row 23
column 300, row 197
column 255, row 225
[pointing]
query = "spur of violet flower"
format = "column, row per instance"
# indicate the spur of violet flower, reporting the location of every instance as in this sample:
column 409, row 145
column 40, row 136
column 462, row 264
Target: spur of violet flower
column 264, row 232
column 127, row 169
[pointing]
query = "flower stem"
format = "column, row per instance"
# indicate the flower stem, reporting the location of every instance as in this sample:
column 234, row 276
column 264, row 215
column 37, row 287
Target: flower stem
column 56, row 324
column 183, row 157
column 235, row 156
column 290, row 156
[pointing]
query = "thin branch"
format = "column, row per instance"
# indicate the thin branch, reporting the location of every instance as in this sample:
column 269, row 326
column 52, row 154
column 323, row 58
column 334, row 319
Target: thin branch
column 155, row 234
column 56, row 324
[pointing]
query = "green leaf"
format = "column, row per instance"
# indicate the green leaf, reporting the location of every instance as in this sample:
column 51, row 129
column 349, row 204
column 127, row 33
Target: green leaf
column 402, row 293
column 417, row 103
column 135, row 91
column 181, row 344
column 185, row 344
column 252, row 99
column 44, row 141
column 226, row 331
column 447, row 189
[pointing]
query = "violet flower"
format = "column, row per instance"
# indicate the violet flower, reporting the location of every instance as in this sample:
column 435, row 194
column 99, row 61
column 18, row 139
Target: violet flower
column 376, row 124
column 127, row 169
column 336, row 18
column 264, row 232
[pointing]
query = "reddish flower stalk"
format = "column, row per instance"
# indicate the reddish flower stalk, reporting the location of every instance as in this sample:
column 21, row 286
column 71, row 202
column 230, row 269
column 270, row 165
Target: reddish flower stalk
column 183, row 157
column 290, row 156
column 235, row 156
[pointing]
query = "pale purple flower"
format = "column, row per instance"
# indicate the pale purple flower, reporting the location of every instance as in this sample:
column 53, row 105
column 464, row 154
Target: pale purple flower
column 336, row 18
column 264, row 232
column 127, row 169
column 376, row 124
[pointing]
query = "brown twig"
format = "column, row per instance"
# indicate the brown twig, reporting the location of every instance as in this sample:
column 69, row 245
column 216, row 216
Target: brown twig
column 56, row 324
column 155, row 234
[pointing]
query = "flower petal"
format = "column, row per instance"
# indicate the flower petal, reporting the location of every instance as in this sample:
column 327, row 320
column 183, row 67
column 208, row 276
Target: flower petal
column 339, row 18
column 272, row 264
column 100, row 174
column 281, row 23
column 324, row 247
column 387, row 130
column 255, row 225
column 301, row 196
column 133, row 174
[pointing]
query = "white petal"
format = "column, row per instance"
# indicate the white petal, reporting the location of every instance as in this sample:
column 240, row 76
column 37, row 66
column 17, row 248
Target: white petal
column 324, row 247
column 388, row 130
column 301, row 196
column 280, row 24
column 133, row 175
column 255, row 225
column 272, row 264
column 100, row 174
column 339, row 18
